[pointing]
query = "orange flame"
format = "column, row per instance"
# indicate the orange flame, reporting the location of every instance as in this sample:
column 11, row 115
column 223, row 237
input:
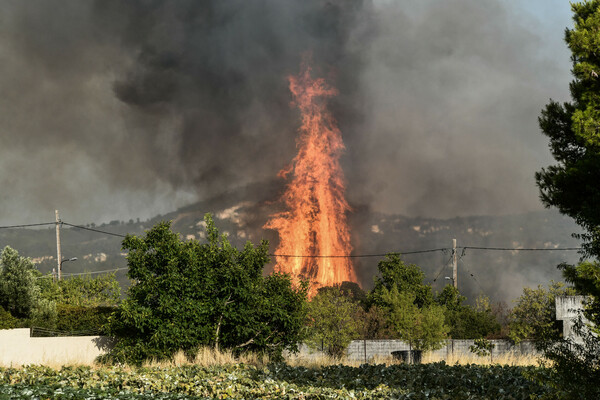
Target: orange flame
column 314, row 224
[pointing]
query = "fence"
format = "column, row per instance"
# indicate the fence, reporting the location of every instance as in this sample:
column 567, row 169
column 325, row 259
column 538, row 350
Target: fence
column 17, row 347
column 367, row 350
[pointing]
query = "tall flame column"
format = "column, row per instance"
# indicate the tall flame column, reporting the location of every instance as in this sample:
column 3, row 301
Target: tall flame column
column 314, row 223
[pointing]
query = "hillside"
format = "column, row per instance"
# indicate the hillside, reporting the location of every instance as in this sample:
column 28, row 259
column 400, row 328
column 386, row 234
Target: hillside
column 242, row 213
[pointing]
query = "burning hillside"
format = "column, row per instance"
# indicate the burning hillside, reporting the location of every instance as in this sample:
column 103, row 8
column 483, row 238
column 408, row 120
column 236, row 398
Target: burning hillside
column 313, row 227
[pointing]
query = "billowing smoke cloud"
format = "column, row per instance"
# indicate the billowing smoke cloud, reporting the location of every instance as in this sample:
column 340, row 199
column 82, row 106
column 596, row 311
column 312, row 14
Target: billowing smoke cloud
column 124, row 109
column 115, row 109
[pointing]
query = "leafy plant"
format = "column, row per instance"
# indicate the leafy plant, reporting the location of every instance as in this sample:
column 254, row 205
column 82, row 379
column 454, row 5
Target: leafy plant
column 534, row 315
column 423, row 328
column 186, row 294
column 332, row 322
column 482, row 347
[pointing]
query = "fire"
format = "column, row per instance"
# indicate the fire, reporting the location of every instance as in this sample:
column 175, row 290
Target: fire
column 314, row 224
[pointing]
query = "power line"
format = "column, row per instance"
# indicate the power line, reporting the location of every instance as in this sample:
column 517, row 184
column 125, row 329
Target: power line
column 442, row 269
column 93, row 230
column 523, row 249
column 95, row 272
column 356, row 255
column 84, row 273
column 27, row 225
column 512, row 249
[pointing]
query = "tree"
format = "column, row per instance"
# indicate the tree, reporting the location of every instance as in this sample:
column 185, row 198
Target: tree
column 83, row 291
column 373, row 323
column 19, row 292
column 466, row 322
column 332, row 322
column 185, row 295
column 576, row 363
column 423, row 328
column 406, row 278
column 572, row 185
column 534, row 315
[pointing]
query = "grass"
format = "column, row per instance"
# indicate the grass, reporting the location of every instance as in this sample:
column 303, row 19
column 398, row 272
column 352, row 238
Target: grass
column 208, row 357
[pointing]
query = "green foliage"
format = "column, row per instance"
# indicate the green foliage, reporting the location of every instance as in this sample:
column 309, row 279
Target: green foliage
column 19, row 291
column 7, row 321
column 80, row 320
column 373, row 323
column 466, row 322
column 277, row 381
column 406, row 278
column 84, row 290
column 332, row 322
column 186, row 294
column 423, row 328
column 482, row 347
column 574, row 132
column 585, row 278
column 450, row 298
column 576, row 363
column 534, row 315
column 573, row 187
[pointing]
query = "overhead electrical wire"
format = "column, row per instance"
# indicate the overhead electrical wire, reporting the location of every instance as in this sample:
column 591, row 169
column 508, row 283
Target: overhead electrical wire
column 464, row 248
column 27, row 225
column 93, row 230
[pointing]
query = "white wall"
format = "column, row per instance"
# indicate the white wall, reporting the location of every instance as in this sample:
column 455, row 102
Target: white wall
column 18, row 348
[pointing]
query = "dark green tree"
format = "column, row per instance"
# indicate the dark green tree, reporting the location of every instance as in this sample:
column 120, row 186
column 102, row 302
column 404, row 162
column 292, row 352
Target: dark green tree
column 186, row 294
column 83, row 291
column 405, row 278
column 464, row 321
column 573, row 184
column 19, row 290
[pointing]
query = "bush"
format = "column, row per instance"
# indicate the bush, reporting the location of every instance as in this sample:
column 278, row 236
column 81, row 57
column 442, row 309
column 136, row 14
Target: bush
column 82, row 320
column 7, row 321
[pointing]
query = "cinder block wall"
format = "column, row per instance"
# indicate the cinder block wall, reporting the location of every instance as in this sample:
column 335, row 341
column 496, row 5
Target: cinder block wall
column 367, row 350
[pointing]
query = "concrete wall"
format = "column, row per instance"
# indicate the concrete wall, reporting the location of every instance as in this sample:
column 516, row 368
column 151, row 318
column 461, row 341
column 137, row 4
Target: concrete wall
column 18, row 348
column 568, row 309
column 367, row 350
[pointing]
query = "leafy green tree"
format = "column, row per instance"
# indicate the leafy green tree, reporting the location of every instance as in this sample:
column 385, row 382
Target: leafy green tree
column 373, row 323
column 83, row 291
column 332, row 322
column 572, row 185
column 405, row 278
column 466, row 322
column 185, row 295
column 424, row 328
column 7, row 321
column 19, row 290
column 576, row 363
column 534, row 315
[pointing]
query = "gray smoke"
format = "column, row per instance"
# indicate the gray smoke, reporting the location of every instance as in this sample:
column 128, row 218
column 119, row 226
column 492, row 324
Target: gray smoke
column 113, row 109
column 124, row 109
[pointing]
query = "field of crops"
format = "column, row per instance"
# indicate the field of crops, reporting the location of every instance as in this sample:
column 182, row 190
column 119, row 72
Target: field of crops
column 277, row 381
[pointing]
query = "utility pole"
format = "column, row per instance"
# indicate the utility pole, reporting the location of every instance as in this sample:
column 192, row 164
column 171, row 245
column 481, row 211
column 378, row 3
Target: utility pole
column 454, row 265
column 58, row 255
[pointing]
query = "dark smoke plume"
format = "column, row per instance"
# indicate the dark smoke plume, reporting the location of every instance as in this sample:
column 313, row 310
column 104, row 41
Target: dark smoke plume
column 124, row 109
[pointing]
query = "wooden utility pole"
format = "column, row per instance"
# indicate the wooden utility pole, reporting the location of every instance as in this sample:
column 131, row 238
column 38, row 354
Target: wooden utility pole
column 454, row 265
column 58, row 255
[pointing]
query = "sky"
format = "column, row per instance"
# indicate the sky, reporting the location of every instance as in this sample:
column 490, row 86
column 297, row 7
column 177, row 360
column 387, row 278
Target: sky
column 117, row 110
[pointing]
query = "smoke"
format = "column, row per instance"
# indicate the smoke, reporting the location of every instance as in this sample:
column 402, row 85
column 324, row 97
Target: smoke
column 117, row 110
